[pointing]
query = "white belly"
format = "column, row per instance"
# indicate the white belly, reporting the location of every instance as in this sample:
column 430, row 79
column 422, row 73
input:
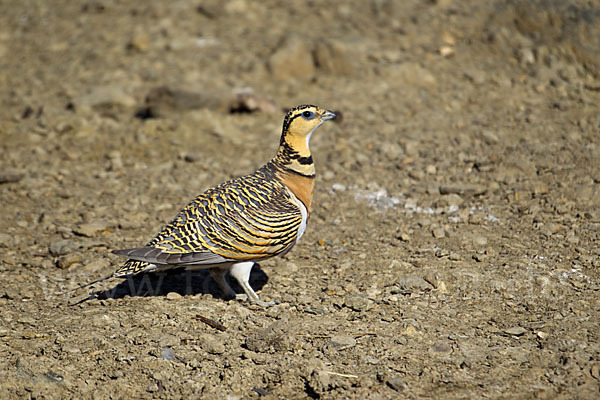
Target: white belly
column 302, row 226
column 304, row 213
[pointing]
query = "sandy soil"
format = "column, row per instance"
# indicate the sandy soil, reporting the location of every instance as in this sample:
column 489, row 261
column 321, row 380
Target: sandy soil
column 453, row 247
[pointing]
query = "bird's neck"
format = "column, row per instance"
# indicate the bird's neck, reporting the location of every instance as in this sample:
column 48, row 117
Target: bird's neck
column 295, row 168
column 294, row 156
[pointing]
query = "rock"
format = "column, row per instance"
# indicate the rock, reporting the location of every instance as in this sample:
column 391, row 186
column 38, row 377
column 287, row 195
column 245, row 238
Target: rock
column 462, row 189
column 68, row 260
column 540, row 188
column 515, row 331
column 246, row 100
column 447, row 51
column 103, row 96
column 62, row 247
column 340, row 342
column 412, row 74
column 98, row 265
column 441, row 348
column 404, row 236
column 5, row 240
column 479, row 240
column 489, row 137
column 357, row 302
column 412, row 283
column 8, row 176
column 91, row 229
column 336, row 187
column 173, row 296
column 164, row 100
column 438, row 232
column 476, row 76
column 212, row 344
column 153, row 387
column 411, row 148
column 134, row 220
column 434, row 280
column 525, row 56
column 270, row 339
column 397, row 384
column 392, row 151
column 169, row 341
column 331, row 57
column 139, row 41
column 542, row 335
column 293, row 60
column 450, row 200
column 319, row 381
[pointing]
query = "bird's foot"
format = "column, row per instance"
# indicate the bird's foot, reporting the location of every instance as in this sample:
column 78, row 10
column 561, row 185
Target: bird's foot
column 255, row 301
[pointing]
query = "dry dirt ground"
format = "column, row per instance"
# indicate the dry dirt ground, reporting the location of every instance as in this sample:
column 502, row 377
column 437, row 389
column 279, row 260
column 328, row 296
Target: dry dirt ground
column 453, row 247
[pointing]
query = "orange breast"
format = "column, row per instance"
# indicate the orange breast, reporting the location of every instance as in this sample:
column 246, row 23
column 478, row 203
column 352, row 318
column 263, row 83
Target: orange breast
column 303, row 187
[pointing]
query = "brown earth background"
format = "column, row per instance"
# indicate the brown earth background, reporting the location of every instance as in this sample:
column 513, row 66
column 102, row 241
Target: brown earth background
column 453, row 247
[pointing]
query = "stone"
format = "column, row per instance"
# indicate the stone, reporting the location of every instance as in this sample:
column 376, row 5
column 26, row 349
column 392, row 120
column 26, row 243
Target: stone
column 139, row 41
column 162, row 101
column 62, row 247
column 212, row 345
column 5, row 240
column 404, row 236
column 340, row 342
column 319, row 381
column 515, row 331
column 91, row 229
column 331, row 57
column 293, row 60
column 68, row 260
column 9, row 176
column 489, row 137
column 441, row 348
column 413, row 74
column 336, row 187
column 462, row 189
column 105, row 95
column 479, row 240
column 438, row 232
column 412, row 283
column 476, row 76
column 173, row 296
column 270, row 339
column 169, row 341
column 246, row 100
column 396, row 384
column 357, row 302
column 452, row 199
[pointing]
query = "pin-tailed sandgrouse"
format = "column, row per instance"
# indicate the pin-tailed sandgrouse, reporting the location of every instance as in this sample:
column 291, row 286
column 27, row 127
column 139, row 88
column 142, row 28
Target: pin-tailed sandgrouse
column 244, row 220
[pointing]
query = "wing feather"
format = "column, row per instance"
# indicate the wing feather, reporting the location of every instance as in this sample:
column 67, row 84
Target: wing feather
column 251, row 217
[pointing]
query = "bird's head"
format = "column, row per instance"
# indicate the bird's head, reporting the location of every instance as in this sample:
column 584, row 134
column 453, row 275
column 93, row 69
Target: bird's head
column 299, row 124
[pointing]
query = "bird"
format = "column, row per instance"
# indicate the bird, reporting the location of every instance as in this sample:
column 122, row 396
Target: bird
column 230, row 227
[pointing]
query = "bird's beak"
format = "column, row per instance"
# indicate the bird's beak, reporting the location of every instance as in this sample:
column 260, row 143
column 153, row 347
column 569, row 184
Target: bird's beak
column 327, row 115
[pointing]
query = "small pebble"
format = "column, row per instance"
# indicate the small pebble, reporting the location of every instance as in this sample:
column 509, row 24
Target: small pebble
column 542, row 335
column 438, row 233
column 397, row 384
column 357, row 302
column 173, row 296
column 515, row 331
column 340, row 342
column 90, row 229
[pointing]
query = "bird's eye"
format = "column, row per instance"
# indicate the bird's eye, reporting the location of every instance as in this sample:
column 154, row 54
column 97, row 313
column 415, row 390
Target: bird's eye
column 308, row 114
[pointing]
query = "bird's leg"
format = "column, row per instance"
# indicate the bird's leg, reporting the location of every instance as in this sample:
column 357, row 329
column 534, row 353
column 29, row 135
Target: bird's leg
column 218, row 275
column 241, row 272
